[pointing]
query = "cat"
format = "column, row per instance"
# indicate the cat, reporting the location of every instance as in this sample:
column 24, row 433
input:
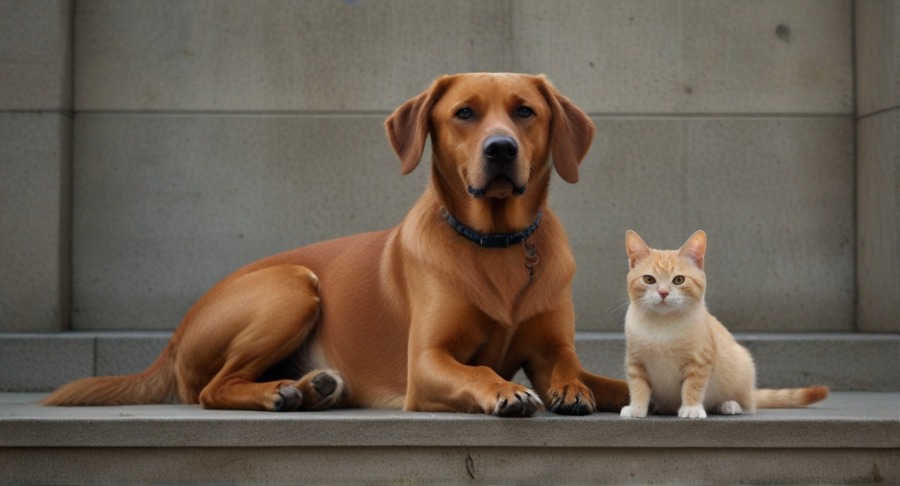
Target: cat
column 680, row 358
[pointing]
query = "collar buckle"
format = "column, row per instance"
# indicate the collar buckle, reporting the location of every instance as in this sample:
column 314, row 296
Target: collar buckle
column 495, row 241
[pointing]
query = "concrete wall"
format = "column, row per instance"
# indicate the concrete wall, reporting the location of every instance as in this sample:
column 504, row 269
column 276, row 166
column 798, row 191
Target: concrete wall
column 35, row 164
column 878, row 164
column 208, row 134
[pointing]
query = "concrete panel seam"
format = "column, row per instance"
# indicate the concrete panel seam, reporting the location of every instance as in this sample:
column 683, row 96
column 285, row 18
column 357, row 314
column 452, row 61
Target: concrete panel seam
column 66, row 215
column 385, row 113
column 306, row 113
column 94, row 350
column 877, row 112
column 56, row 111
column 719, row 115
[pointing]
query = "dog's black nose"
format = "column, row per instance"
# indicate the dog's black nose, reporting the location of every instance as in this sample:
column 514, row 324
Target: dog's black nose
column 500, row 149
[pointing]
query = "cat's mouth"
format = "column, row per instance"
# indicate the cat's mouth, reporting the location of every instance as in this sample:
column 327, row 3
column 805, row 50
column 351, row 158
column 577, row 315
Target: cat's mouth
column 664, row 306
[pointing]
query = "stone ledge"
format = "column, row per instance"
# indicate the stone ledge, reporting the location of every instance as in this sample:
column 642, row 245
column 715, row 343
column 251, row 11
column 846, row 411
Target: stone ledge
column 850, row 437
column 866, row 420
column 843, row 361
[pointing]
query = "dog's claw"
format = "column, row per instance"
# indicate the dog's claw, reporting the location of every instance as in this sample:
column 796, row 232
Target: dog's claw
column 525, row 404
column 562, row 404
column 578, row 407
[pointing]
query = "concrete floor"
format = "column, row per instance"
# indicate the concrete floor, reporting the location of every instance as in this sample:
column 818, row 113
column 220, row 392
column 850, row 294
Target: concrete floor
column 850, row 437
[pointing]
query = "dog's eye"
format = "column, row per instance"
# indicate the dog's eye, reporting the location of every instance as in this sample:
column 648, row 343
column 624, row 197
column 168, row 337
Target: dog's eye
column 465, row 113
column 524, row 112
column 678, row 280
column 649, row 280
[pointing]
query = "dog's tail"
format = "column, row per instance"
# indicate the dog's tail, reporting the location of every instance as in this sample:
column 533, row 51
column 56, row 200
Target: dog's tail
column 790, row 397
column 156, row 384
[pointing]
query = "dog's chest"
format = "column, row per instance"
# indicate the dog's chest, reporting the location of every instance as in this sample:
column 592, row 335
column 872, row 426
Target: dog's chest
column 493, row 351
column 510, row 289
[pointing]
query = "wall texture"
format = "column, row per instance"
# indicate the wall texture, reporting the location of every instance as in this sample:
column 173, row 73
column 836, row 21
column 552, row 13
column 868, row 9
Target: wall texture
column 207, row 134
column 878, row 164
column 35, row 164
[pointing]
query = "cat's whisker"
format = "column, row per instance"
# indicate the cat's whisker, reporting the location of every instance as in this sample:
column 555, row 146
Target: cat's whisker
column 618, row 312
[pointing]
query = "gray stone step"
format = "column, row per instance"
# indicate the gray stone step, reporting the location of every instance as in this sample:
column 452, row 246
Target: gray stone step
column 843, row 361
column 850, row 437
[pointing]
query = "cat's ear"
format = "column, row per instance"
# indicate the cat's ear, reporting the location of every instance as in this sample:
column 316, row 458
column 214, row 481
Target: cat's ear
column 695, row 248
column 636, row 248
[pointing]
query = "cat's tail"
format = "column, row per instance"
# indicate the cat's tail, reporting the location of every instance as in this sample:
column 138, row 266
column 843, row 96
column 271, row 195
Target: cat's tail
column 790, row 397
column 156, row 384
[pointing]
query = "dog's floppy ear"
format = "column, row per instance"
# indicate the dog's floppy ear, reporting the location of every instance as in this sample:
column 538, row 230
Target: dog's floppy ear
column 407, row 127
column 571, row 131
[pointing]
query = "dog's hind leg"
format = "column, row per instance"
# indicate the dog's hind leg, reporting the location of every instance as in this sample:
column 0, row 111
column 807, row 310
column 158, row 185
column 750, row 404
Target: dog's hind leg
column 240, row 329
column 322, row 389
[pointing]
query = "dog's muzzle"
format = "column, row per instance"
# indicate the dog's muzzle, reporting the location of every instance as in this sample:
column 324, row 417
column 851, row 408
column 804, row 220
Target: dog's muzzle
column 500, row 151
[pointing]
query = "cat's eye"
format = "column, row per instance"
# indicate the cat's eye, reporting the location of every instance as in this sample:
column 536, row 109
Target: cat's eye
column 678, row 280
column 649, row 280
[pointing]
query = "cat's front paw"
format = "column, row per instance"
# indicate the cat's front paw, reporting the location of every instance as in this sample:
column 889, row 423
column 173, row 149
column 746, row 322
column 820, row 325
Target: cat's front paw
column 692, row 411
column 730, row 407
column 632, row 411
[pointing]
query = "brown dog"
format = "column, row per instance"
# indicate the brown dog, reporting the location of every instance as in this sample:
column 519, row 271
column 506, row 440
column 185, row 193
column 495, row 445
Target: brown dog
column 436, row 314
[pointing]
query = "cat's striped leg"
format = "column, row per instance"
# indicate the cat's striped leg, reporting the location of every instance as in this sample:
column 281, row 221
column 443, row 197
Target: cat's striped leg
column 638, row 389
column 696, row 377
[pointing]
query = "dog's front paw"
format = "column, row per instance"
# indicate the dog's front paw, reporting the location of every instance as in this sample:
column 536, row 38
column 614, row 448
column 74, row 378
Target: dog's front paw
column 692, row 411
column 519, row 403
column 574, row 399
column 632, row 411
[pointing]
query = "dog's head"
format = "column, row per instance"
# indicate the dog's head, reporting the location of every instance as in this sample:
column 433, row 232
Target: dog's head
column 492, row 134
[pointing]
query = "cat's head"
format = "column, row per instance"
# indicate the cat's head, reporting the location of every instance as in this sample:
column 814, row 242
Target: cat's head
column 666, row 282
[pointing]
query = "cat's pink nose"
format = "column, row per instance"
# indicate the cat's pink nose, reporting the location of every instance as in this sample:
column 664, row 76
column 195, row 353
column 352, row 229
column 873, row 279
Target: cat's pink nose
column 663, row 293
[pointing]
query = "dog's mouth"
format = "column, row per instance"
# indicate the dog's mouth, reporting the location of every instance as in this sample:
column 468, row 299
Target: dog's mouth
column 500, row 187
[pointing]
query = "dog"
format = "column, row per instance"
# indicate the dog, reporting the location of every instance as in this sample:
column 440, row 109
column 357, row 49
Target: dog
column 436, row 314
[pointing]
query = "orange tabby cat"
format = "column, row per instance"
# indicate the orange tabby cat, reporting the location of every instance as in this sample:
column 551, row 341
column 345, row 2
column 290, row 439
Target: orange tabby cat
column 679, row 357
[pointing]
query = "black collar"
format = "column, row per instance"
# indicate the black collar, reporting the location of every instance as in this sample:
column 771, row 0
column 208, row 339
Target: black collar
column 497, row 240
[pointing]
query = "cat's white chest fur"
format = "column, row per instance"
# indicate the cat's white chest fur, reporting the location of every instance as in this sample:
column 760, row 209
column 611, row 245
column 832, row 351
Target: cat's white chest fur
column 664, row 373
column 660, row 346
